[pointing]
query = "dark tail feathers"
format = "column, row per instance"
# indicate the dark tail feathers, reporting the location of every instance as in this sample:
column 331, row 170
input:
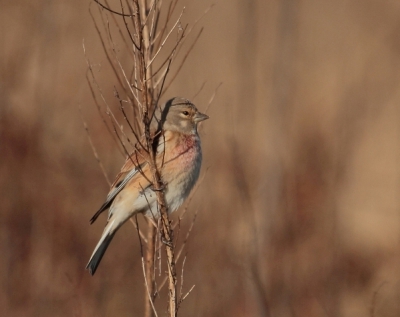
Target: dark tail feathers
column 98, row 253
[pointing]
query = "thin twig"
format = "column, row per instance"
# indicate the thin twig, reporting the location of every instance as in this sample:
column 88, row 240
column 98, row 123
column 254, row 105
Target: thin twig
column 145, row 87
column 113, row 119
column 94, row 148
column 184, row 59
column 137, row 228
column 182, row 40
column 212, row 97
column 374, row 299
column 151, row 233
column 104, row 46
column 144, row 23
column 101, row 115
column 123, row 71
column 165, row 40
column 156, row 15
column 118, row 137
column 162, row 87
column 159, row 36
column 137, row 46
column 198, row 92
column 191, row 225
column 171, row 53
column 186, row 295
column 187, row 33
column 180, row 250
column 120, row 31
column 138, row 141
column 183, row 267
column 147, row 288
column 90, row 70
column 112, row 11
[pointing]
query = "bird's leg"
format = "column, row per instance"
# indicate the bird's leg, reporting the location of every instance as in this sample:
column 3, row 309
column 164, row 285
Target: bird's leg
column 167, row 243
column 163, row 186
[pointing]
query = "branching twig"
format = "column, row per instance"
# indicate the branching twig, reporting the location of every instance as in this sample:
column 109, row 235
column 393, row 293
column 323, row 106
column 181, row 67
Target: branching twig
column 141, row 88
column 112, row 11
column 186, row 295
column 94, row 148
column 184, row 59
column 180, row 250
column 165, row 40
column 147, row 288
column 104, row 47
column 149, row 271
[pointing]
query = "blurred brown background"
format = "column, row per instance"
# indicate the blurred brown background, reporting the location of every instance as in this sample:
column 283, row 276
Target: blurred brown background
column 299, row 209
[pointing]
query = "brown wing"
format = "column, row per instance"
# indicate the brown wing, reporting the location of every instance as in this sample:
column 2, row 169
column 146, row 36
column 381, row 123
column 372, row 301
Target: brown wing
column 134, row 164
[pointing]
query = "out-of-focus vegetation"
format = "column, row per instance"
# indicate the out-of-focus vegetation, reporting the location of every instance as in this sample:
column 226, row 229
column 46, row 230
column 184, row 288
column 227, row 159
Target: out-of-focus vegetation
column 299, row 208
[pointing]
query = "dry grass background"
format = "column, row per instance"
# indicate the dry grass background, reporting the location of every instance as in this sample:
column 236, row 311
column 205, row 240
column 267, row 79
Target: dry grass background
column 299, row 210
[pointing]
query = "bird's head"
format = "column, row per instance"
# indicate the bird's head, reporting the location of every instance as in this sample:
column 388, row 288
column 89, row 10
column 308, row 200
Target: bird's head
column 181, row 115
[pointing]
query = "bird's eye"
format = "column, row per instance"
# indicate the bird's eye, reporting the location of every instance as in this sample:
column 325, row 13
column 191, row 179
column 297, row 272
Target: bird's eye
column 185, row 113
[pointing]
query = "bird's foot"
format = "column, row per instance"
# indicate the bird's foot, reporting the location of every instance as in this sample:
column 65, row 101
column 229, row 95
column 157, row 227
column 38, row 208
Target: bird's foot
column 163, row 186
column 167, row 243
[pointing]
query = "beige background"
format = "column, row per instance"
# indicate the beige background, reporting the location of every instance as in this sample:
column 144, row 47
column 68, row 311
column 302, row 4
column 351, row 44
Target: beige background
column 298, row 212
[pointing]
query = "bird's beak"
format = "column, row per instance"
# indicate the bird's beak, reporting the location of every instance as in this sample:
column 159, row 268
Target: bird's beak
column 200, row 117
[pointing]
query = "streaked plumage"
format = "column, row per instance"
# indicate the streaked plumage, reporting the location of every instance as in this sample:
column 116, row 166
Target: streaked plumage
column 178, row 159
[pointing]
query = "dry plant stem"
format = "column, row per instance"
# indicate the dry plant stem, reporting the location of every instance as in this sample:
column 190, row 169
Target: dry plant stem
column 199, row 91
column 101, row 115
column 167, row 233
column 212, row 97
column 90, row 70
column 115, row 123
column 94, row 149
column 186, row 295
column 120, row 67
column 165, row 40
column 105, row 48
column 148, row 291
column 190, row 49
column 180, row 250
column 130, row 126
column 190, row 228
column 374, row 299
column 142, row 236
column 142, row 53
column 184, row 59
column 153, row 309
column 166, row 230
column 182, row 298
column 120, row 32
column 151, row 287
column 146, row 39
column 112, row 11
column 141, row 21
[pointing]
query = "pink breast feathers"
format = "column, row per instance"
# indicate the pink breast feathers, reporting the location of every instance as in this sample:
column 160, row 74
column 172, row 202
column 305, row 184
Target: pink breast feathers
column 187, row 150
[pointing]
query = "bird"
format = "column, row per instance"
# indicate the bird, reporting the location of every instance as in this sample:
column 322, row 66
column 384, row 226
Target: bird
column 178, row 157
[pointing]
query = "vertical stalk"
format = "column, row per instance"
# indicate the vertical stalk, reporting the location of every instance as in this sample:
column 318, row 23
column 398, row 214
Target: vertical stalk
column 150, row 252
column 146, row 73
column 146, row 86
column 167, row 233
column 146, row 40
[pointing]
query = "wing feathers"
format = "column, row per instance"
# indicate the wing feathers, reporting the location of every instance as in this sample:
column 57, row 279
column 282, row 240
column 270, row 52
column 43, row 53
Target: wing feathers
column 113, row 192
column 134, row 164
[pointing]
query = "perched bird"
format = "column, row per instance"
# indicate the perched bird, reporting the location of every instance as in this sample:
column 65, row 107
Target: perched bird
column 178, row 158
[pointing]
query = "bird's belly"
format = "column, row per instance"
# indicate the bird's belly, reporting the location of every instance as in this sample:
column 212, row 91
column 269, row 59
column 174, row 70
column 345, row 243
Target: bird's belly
column 179, row 176
column 180, row 186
